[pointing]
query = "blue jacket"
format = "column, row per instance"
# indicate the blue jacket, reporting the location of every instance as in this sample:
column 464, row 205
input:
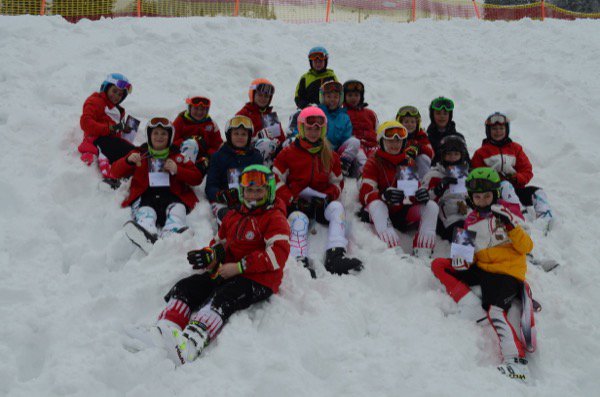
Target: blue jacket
column 339, row 126
column 223, row 160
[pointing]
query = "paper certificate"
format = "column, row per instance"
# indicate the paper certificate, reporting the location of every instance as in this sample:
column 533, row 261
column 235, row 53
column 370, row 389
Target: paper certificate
column 463, row 244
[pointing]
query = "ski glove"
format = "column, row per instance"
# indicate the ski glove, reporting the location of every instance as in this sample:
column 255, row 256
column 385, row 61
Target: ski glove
column 229, row 197
column 460, row 264
column 421, row 196
column 393, row 196
column 117, row 128
column 505, row 216
column 412, row 151
column 444, row 184
column 202, row 165
column 202, row 258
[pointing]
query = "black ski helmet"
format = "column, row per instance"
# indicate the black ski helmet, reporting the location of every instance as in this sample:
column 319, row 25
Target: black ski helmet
column 355, row 86
column 497, row 118
column 453, row 143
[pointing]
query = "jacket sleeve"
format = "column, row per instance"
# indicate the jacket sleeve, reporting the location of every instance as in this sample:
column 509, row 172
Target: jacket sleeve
column 300, row 96
column 215, row 174
column 188, row 173
column 521, row 241
column 477, row 160
column 523, row 168
column 277, row 246
column 425, row 146
column 122, row 168
column 281, row 171
column 347, row 128
column 89, row 119
column 369, row 190
column 336, row 179
column 214, row 139
column 178, row 125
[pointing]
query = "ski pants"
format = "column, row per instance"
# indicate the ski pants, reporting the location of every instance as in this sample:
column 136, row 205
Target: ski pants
column 497, row 290
column 159, row 207
column 113, row 148
column 333, row 213
column 211, row 301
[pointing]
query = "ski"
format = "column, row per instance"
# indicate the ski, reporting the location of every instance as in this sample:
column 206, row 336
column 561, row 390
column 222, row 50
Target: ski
column 547, row 264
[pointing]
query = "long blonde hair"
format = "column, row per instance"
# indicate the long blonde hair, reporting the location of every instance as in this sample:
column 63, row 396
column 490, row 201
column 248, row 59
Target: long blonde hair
column 326, row 155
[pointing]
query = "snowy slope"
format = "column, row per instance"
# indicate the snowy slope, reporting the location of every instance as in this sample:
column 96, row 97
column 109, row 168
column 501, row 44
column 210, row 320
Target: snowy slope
column 70, row 282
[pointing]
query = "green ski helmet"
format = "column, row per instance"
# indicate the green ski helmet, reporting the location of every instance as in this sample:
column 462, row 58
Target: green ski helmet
column 257, row 175
column 482, row 180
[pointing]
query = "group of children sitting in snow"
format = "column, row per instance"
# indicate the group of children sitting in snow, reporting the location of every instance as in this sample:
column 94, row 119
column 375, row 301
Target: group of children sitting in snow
column 266, row 188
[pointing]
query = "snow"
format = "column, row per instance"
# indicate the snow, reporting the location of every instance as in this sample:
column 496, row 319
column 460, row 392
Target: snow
column 70, row 281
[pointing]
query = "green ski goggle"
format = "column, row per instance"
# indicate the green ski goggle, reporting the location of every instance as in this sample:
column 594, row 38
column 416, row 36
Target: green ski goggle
column 442, row 104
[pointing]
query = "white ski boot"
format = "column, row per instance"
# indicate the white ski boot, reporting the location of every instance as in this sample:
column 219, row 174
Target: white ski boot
column 192, row 341
column 139, row 236
column 515, row 368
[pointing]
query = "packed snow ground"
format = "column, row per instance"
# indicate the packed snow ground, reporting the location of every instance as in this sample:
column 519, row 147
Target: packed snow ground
column 70, row 281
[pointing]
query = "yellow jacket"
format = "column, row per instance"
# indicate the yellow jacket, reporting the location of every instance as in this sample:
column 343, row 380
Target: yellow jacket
column 499, row 251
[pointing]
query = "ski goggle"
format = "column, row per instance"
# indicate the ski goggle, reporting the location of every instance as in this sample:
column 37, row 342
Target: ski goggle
column 315, row 121
column 496, row 118
column 317, row 56
column 405, row 111
column 332, row 86
column 121, row 84
column 355, row 86
column 198, row 101
column 442, row 104
column 254, row 178
column 395, row 133
column 264, row 88
column 481, row 185
column 159, row 122
column 240, row 121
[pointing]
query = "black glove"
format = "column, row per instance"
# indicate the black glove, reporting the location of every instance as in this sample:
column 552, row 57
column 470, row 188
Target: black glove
column 412, row 151
column 393, row 196
column 202, row 258
column 202, row 165
column 421, row 196
column 229, row 197
column 119, row 127
column 305, row 206
column 319, row 205
column 443, row 185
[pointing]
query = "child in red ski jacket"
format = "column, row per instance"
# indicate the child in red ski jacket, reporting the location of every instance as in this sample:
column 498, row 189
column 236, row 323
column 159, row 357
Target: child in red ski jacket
column 160, row 193
column 499, row 152
column 105, row 134
column 244, row 265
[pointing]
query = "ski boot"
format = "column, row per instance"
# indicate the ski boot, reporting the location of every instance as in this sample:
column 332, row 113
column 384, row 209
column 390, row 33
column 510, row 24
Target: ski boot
column 139, row 236
column 515, row 368
column 337, row 262
column 307, row 263
column 192, row 340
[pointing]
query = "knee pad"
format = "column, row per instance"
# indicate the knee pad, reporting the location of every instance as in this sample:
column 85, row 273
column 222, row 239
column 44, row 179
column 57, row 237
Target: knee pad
column 299, row 223
column 335, row 212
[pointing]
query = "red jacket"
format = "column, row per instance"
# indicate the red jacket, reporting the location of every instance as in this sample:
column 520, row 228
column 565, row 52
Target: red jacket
column 420, row 140
column 379, row 173
column 504, row 159
column 364, row 125
column 261, row 238
column 255, row 114
column 187, row 174
column 207, row 129
column 295, row 169
column 95, row 120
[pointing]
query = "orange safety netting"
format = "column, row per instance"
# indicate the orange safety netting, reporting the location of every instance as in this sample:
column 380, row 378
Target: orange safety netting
column 295, row 11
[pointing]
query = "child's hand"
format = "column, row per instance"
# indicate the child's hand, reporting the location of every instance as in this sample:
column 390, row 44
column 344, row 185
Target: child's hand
column 505, row 216
column 460, row 264
column 135, row 158
column 229, row 270
column 171, row 166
